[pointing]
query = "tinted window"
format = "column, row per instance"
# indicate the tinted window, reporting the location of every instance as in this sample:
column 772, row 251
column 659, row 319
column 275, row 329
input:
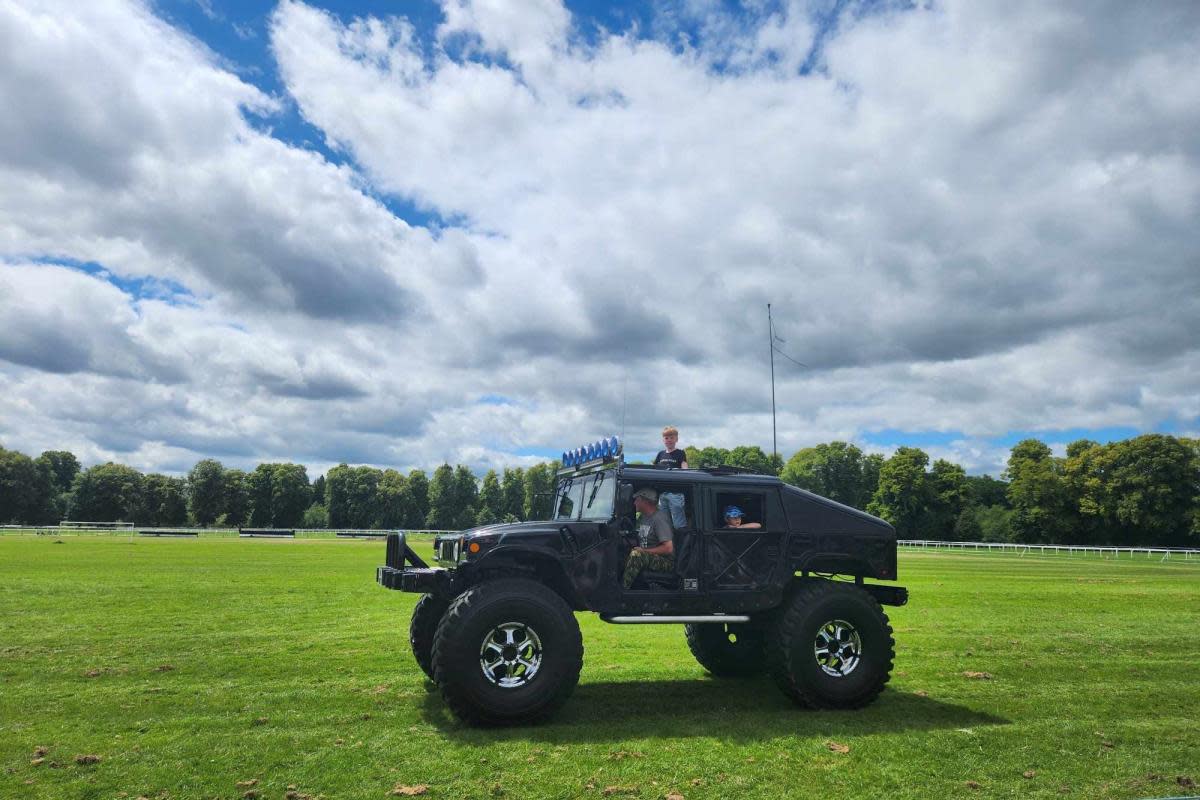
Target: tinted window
column 751, row 505
column 761, row 507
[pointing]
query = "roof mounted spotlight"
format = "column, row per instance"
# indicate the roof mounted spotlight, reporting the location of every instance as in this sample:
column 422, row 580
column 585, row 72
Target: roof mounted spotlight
column 597, row 453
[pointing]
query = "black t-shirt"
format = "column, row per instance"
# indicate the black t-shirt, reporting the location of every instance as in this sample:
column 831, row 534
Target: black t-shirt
column 671, row 460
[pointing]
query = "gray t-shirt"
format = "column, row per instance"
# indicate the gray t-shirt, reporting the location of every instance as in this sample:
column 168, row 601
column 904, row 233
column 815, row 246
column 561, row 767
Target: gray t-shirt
column 655, row 530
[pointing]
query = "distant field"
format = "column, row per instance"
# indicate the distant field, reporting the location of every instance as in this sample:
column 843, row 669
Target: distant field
column 189, row 666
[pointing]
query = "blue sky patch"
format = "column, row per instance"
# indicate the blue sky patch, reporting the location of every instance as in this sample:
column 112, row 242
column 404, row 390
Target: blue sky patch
column 495, row 400
column 139, row 288
column 928, row 439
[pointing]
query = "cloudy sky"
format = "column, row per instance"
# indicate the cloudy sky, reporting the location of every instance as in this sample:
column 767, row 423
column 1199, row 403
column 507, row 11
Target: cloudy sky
column 485, row 230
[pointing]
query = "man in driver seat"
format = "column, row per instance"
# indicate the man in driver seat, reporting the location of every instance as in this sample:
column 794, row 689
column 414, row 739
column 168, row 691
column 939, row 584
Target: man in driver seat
column 655, row 550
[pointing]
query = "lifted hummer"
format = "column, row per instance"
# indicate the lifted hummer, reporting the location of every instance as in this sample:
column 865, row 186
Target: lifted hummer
column 495, row 628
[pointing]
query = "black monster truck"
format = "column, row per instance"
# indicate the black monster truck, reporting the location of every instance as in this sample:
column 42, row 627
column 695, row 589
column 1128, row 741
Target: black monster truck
column 495, row 628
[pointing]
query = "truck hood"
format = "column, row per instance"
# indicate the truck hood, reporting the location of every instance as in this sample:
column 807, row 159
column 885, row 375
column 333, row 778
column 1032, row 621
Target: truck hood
column 503, row 532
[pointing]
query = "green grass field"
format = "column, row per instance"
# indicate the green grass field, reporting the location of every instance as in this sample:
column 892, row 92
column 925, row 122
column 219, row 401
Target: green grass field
column 189, row 667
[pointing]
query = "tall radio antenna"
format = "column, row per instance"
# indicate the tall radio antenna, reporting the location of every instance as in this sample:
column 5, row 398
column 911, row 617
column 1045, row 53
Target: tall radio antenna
column 775, row 349
column 624, row 395
column 774, row 435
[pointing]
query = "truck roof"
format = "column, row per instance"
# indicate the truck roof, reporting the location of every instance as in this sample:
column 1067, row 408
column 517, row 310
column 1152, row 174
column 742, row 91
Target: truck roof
column 649, row 473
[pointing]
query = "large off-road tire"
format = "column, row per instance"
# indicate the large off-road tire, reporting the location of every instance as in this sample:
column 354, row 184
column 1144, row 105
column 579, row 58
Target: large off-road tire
column 507, row 651
column 423, row 628
column 735, row 650
column 830, row 646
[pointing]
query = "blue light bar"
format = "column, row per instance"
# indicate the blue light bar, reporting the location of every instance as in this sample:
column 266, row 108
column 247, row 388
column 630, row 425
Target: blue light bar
column 608, row 447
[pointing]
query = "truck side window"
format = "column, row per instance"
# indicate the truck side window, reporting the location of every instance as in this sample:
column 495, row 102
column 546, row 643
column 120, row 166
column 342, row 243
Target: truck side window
column 749, row 503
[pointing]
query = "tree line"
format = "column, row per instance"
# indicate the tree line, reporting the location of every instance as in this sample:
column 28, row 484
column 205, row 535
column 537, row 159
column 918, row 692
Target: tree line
column 1143, row 491
column 1137, row 492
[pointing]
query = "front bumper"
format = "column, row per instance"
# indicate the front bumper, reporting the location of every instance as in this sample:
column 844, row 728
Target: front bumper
column 426, row 580
column 406, row 571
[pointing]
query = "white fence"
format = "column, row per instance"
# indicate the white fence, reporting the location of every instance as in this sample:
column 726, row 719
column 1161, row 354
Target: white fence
column 129, row 529
column 1069, row 549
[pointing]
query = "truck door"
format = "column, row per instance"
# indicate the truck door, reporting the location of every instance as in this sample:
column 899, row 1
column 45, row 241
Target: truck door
column 742, row 558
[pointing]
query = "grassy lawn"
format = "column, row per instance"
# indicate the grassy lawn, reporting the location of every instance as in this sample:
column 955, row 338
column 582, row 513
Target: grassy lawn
column 188, row 666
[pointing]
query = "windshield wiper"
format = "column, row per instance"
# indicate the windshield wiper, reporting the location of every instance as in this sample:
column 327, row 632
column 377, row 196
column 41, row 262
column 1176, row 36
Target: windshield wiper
column 564, row 489
column 595, row 488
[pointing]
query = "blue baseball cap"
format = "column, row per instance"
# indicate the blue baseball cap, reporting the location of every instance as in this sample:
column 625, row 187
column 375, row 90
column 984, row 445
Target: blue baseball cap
column 733, row 511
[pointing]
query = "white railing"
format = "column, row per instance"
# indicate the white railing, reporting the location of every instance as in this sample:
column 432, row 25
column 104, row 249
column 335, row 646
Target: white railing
column 128, row 528
column 1070, row 549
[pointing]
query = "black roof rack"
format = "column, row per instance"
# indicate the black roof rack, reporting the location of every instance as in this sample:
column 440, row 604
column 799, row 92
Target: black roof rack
column 729, row 469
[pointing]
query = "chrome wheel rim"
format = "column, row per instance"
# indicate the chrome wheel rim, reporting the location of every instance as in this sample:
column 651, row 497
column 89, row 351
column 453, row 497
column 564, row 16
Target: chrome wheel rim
column 838, row 648
column 511, row 655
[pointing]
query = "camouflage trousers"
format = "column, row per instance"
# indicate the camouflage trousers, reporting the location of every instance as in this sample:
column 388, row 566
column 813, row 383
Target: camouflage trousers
column 639, row 560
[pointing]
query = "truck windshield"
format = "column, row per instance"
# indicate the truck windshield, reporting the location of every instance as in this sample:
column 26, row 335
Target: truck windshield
column 567, row 498
column 589, row 497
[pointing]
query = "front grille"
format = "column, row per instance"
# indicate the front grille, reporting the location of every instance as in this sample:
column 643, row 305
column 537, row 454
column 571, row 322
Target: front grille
column 448, row 549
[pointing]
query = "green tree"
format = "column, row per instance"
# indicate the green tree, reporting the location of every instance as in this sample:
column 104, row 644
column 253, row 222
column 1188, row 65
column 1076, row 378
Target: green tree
column 258, row 490
column 466, row 491
column 699, row 457
column 353, row 496
column 315, row 516
column 512, row 486
column 290, row 495
column 1142, row 491
column 318, row 489
column 751, row 457
column 539, row 485
column 27, row 491
column 236, row 504
column 995, row 523
column 395, row 499
column 1037, row 494
column 206, row 492
column 165, row 500
column 107, row 493
column 871, row 468
column 948, row 498
column 1194, row 446
column 1084, row 487
column 837, row 470
column 279, row 495
column 418, row 493
column 967, row 527
column 984, row 490
column 903, row 495
column 442, row 499
column 62, row 465
column 491, row 500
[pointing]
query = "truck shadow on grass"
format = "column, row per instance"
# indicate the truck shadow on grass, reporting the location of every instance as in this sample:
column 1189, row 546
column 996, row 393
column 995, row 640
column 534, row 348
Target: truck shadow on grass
column 746, row 710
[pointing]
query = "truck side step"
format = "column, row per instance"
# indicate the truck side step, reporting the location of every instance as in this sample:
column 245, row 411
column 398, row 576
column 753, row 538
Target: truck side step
column 651, row 619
